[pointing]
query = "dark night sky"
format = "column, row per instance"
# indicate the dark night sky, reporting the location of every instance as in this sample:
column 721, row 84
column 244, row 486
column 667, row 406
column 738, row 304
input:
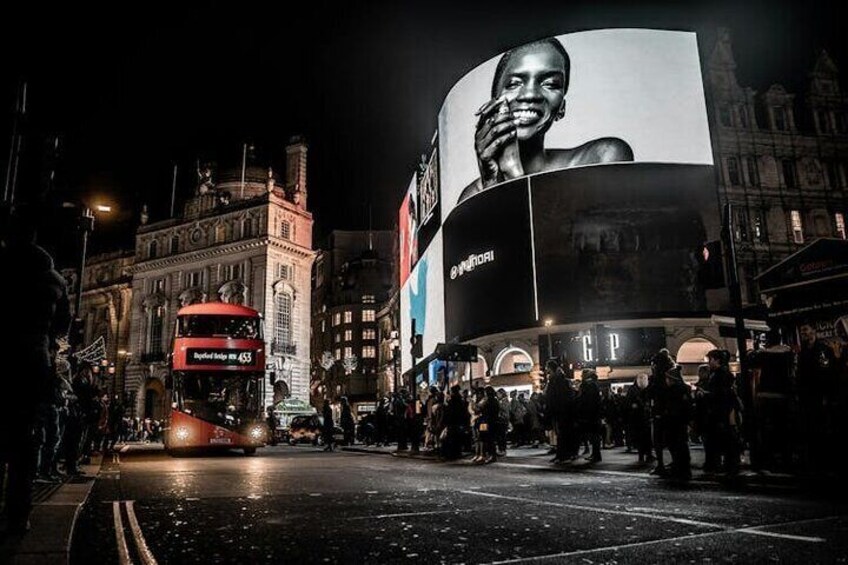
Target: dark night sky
column 135, row 88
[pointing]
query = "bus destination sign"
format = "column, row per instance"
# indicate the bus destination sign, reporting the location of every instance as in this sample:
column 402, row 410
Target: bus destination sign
column 238, row 357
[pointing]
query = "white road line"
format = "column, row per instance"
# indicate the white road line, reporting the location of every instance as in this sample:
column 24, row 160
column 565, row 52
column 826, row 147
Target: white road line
column 755, row 530
column 684, row 521
column 123, row 551
column 143, row 551
column 412, row 514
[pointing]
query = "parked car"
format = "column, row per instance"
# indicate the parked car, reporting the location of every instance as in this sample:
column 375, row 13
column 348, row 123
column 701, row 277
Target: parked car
column 307, row 429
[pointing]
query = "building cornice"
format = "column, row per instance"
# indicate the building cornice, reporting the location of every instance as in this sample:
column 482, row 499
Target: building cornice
column 218, row 251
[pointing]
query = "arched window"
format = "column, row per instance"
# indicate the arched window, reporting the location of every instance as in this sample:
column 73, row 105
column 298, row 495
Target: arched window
column 285, row 230
column 175, row 244
column 513, row 360
column 282, row 322
column 153, row 249
column 247, row 228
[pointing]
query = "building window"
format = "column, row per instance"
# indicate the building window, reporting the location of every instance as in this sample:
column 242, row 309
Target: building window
column 841, row 122
column 724, row 116
column 282, row 320
column 348, row 335
column 368, row 315
column 733, row 171
column 789, row 176
column 839, row 222
column 195, row 278
column 337, row 318
column 740, row 223
column 157, row 319
column 348, row 317
column 797, row 227
column 834, row 173
column 337, row 338
column 348, row 352
column 175, row 244
column 323, row 325
column 779, row 115
column 753, row 171
column 285, row 230
column 247, row 228
column 759, row 229
column 233, row 271
column 153, row 249
column 285, row 272
column 823, row 118
column 743, row 116
column 368, row 299
column 338, row 354
column 369, row 352
column 369, row 334
column 158, row 285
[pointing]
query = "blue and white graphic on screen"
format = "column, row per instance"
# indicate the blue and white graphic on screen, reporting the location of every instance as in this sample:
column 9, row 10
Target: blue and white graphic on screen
column 418, row 297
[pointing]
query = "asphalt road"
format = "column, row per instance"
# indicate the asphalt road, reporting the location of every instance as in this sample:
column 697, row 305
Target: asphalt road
column 300, row 505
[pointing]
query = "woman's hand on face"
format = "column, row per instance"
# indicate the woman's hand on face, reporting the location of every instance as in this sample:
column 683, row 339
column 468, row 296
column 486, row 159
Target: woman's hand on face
column 495, row 128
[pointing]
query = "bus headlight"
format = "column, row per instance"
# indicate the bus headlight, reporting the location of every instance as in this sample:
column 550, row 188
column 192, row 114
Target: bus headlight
column 181, row 433
column 257, row 433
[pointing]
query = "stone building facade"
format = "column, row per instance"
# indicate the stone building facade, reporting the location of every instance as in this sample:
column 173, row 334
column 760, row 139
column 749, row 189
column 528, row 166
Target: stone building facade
column 246, row 242
column 106, row 303
column 353, row 279
column 781, row 160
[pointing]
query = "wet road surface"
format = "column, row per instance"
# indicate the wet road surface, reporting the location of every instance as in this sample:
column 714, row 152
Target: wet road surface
column 300, row 505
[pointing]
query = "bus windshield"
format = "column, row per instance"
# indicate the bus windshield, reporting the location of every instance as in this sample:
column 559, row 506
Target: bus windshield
column 222, row 399
column 237, row 327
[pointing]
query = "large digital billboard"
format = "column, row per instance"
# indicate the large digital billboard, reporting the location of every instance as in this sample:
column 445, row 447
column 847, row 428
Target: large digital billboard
column 422, row 299
column 576, row 183
column 593, row 97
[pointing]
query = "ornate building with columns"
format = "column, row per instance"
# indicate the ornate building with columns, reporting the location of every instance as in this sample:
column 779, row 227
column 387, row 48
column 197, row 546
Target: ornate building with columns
column 106, row 302
column 244, row 237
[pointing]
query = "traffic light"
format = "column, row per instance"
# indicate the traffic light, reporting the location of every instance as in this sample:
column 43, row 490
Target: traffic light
column 417, row 342
column 456, row 352
column 711, row 265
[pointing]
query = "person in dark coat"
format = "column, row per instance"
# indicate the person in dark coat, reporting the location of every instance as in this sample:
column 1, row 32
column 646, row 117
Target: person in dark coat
column 559, row 402
column 676, row 415
column 347, row 422
column 327, row 426
column 721, row 441
column 489, row 409
column 639, row 418
column 455, row 420
column 658, row 395
column 589, row 413
column 31, row 280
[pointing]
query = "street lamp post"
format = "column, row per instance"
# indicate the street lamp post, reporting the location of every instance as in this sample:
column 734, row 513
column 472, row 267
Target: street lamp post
column 86, row 226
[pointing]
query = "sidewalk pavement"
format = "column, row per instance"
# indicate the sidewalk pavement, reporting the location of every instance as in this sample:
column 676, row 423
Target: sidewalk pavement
column 615, row 461
column 52, row 521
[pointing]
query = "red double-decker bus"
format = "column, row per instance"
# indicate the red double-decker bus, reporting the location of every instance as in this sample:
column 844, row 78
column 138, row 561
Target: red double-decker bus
column 217, row 379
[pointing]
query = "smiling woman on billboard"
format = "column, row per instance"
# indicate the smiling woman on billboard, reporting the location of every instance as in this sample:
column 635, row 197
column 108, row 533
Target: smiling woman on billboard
column 528, row 96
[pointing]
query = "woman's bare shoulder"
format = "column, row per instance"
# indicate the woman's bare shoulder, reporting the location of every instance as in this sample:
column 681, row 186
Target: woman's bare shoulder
column 601, row 150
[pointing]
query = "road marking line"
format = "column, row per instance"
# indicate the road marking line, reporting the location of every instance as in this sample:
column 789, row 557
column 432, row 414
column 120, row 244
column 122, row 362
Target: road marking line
column 123, row 551
column 684, row 521
column 757, row 532
column 412, row 514
column 143, row 551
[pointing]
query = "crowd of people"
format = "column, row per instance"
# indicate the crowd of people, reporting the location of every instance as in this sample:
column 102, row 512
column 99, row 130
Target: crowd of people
column 656, row 417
